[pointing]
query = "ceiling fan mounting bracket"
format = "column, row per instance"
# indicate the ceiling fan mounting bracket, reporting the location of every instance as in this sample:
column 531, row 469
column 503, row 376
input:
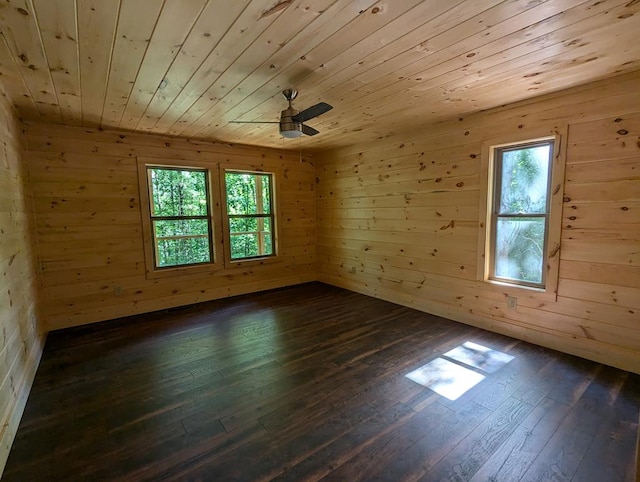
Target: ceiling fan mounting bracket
column 290, row 94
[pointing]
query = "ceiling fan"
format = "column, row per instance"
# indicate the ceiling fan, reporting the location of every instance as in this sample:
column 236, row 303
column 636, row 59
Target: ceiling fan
column 292, row 121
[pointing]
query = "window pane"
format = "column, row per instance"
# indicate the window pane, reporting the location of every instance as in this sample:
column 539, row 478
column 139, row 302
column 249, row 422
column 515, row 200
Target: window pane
column 185, row 241
column 178, row 192
column 266, row 194
column 268, row 244
column 241, row 193
column 181, row 227
column 525, row 172
column 268, row 239
column 180, row 251
column 237, row 225
column 249, row 195
column 244, row 246
column 242, row 225
column 519, row 251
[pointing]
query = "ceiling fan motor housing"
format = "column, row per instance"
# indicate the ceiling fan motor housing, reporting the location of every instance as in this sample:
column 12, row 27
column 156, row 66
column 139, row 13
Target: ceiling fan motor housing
column 287, row 124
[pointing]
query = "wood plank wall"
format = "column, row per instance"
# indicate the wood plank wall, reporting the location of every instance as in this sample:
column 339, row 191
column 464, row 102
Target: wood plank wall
column 88, row 218
column 22, row 337
column 398, row 219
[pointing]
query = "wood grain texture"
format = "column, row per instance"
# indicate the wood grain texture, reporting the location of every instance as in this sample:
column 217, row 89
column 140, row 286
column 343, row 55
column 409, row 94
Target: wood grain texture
column 189, row 68
column 87, row 202
column 22, row 337
column 398, row 219
column 308, row 383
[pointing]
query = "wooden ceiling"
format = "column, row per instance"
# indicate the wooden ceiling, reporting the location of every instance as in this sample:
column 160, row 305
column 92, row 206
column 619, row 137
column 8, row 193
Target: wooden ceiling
column 188, row 67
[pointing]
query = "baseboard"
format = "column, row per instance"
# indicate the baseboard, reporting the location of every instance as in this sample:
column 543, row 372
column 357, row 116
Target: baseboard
column 12, row 420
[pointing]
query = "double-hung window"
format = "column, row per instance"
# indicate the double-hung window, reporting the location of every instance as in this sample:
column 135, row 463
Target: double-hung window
column 520, row 214
column 179, row 205
column 520, row 221
column 250, row 214
column 202, row 217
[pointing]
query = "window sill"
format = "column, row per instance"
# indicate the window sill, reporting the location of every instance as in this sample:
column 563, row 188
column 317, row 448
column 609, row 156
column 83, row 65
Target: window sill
column 172, row 272
column 543, row 294
column 240, row 263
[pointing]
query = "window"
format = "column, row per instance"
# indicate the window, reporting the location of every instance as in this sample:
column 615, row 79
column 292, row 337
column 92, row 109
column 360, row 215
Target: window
column 520, row 214
column 520, row 221
column 179, row 204
column 250, row 216
column 193, row 212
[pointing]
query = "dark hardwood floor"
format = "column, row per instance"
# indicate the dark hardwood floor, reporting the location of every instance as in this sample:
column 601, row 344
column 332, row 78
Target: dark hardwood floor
column 308, row 383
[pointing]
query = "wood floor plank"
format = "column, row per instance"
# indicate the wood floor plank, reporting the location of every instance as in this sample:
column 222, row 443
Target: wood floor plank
column 564, row 452
column 514, row 457
column 474, row 449
column 438, row 440
column 353, row 461
column 611, row 456
column 309, row 383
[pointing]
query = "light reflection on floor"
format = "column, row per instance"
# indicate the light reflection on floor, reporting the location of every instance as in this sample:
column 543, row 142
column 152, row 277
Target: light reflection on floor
column 452, row 380
column 478, row 356
column 445, row 378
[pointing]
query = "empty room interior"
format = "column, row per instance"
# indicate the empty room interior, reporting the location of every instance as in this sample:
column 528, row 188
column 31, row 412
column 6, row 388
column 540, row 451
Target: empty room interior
column 320, row 240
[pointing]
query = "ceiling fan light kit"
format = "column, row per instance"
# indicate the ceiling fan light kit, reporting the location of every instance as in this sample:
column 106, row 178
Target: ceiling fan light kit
column 292, row 121
column 291, row 134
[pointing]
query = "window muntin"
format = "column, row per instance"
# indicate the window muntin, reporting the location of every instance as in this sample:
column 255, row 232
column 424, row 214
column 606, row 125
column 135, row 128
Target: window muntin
column 249, row 198
column 520, row 213
column 179, row 202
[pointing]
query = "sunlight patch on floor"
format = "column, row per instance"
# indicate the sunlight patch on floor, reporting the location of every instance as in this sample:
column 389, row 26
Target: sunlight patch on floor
column 450, row 377
column 480, row 357
column 445, row 378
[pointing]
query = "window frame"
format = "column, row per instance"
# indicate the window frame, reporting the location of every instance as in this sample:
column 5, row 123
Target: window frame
column 260, row 259
column 155, row 218
column 214, row 221
column 489, row 196
column 496, row 215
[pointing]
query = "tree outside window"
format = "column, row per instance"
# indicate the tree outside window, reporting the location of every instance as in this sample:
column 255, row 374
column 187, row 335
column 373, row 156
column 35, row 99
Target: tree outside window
column 520, row 214
column 180, row 218
column 250, row 214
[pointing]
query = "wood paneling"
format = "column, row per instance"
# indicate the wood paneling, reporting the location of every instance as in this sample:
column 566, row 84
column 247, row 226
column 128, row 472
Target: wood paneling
column 397, row 219
column 21, row 336
column 88, row 216
column 188, row 68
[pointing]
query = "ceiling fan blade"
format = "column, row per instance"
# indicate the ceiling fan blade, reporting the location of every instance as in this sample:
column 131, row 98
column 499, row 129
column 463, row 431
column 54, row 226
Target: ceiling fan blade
column 310, row 131
column 313, row 111
column 253, row 122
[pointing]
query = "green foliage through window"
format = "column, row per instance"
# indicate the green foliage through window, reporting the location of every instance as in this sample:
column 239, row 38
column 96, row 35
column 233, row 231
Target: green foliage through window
column 179, row 199
column 520, row 214
column 250, row 214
